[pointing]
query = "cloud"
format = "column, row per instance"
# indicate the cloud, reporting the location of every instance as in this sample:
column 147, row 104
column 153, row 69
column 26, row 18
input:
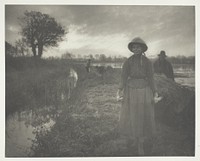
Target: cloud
column 86, row 44
column 111, row 27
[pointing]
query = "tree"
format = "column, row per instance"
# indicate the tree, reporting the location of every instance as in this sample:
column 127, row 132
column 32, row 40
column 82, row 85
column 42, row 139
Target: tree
column 10, row 50
column 21, row 47
column 79, row 56
column 40, row 30
column 102, row 57
column 97, row 56
column 68, row 55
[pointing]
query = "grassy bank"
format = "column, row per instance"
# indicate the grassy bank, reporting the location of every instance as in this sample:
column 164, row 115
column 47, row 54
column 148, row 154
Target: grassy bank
column 32, row 83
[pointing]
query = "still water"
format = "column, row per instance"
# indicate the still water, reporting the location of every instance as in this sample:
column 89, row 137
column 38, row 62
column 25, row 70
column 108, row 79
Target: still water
column 21, row 126
column 185, row 75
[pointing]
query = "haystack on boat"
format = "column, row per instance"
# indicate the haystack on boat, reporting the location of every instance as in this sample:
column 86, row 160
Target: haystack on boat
column 178, row 104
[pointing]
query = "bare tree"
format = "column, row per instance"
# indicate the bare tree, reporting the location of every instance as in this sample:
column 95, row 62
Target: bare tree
column 40, row 30
column 22, row 48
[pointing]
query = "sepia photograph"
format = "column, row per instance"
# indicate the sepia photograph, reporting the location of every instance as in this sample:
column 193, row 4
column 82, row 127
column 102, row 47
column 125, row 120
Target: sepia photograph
column 99, row 80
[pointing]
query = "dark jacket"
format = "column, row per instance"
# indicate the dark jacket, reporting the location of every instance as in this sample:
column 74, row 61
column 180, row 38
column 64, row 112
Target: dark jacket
column 164, row 67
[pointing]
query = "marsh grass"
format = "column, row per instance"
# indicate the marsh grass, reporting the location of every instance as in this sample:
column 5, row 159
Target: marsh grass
column 32, row 83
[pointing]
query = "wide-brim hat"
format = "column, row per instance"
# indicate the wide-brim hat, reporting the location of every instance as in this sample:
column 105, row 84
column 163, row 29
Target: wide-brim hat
column 139, row 41
column 162, row 54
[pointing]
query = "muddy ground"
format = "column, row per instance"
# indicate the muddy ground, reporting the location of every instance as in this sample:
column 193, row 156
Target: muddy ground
column 88, row 125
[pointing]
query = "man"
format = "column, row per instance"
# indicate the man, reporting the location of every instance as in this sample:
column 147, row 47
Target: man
column 88, row 65
column 162, row 66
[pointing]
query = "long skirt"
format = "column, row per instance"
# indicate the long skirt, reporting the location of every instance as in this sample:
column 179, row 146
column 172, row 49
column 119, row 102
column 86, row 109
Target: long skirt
column 137, row 113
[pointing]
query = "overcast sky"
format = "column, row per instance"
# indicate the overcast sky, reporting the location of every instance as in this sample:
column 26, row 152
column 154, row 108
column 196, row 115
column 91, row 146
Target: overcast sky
column 105, row 29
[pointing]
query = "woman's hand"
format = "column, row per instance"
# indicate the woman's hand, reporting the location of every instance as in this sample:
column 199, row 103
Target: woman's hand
column 119, row 95
column 155, row 94
column 157, row 98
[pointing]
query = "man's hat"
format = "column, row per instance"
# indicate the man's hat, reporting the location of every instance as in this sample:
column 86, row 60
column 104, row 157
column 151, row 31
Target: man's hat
column 162, row 54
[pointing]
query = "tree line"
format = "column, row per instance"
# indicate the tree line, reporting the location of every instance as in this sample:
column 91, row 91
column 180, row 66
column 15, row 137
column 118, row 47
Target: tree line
column 21, row 50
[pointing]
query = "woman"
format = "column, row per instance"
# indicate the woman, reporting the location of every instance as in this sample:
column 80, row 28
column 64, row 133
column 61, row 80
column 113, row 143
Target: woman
column 137, row 87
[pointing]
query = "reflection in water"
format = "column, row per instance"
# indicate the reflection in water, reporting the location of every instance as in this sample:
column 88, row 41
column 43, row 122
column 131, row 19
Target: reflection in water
column 185, row 76
column 113, row 65
column 18, row 136
column 186, row 81
column 21, row 127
